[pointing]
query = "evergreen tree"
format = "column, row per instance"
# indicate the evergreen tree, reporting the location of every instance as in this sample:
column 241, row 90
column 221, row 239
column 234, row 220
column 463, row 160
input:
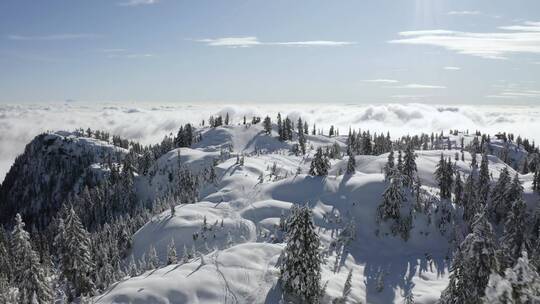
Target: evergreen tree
column 519, row 285
column 267, row 123
column 171, row 253
column 77, row 265
column 514, row 238
column 301, row 137
column 499, row 205
column 320, row 164
column 443, row 174
column 280, row 127
column 300, row 271
column 393, row 196
column 152, row 261
column 473, row 263
column 483, row 180
column 470, row 203
column 389, row 167
column 30, row 276
column 351, row 165
column 409, row 165
column 458, row 190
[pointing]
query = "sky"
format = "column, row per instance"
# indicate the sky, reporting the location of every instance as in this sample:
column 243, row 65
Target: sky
column 246, row 51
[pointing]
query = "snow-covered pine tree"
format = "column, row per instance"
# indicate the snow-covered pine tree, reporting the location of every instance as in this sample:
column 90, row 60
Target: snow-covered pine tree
column 519, row 285
column 351, row 164
column 458, row 190
column 483, row 180
column 301, row 136
column 470, row 203
column 473, row 263
column 399, row 165
column 267, row 123
column 409, row 166
column 171, row 253
column 514, row 238
column 499, row 206
column 319, row 164
column 393, row 196
column 77, row 264
column 280, row 127
column 443, row 174
column 30, row 276
column 389, row 166
column 515, row 191
column 300, row 270
column 152, row 260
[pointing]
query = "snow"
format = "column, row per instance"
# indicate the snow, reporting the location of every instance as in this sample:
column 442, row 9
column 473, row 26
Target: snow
column 250, row 210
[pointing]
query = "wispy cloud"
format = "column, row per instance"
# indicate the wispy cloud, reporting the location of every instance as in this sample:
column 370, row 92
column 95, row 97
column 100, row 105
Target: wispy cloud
column 382, row 80
column 138, row 2
column 53, row 37
column 419, row 86
column 251, row 41
column 514, row 94
column 464, row 13
column 452, row 68
column 523, row 38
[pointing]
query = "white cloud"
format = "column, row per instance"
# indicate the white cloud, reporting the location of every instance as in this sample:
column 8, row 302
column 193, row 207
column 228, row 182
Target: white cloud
column 524, row 38
column 251, row 41
column 464, row 13
column 53, row 37
column 515, row 94
column 419, row 86
column 452, row 68
column 381, row 80
column 138, row 2
column 148, row 123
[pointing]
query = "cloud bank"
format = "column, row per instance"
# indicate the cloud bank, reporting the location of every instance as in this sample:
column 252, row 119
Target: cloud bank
column 149, row 123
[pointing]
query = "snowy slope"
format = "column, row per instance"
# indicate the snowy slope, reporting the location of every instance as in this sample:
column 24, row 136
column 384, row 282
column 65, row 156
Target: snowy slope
column 242, row 268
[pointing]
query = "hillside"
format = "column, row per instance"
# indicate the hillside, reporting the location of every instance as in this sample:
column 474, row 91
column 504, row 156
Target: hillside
column 235, row 254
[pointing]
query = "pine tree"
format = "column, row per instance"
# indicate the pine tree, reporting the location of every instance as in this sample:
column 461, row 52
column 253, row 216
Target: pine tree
column 499, row 205
column 319, row 164
column 409, row 165
column 473, row 263
column 458, row 190
column 171, row 253
column 514, row 238
column 389, row 166
column 515, row 191
column 443, row 174
column 30, row 276
column 301, row 137
column 470, row 203
column 280, row 127
column 300, row 271
column 267, row 123
column 393, row 196
column 77, row 265
column 351, row 165
column 483, row 180
column 347, row 286
column 520, row 284
column 152, row 261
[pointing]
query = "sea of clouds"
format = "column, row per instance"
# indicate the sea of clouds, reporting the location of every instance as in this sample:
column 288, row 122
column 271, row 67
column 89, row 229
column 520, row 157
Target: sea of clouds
column 149, row 123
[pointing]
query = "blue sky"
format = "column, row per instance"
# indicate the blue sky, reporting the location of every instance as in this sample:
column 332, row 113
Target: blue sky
column 378, row 51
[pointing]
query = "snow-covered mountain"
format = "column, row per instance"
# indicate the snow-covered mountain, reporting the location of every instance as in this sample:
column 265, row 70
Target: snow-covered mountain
column 229, row 241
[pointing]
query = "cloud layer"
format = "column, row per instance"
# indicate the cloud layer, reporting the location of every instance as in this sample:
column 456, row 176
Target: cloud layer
column 149, row 123
column 243, row 42
column 522, row 38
